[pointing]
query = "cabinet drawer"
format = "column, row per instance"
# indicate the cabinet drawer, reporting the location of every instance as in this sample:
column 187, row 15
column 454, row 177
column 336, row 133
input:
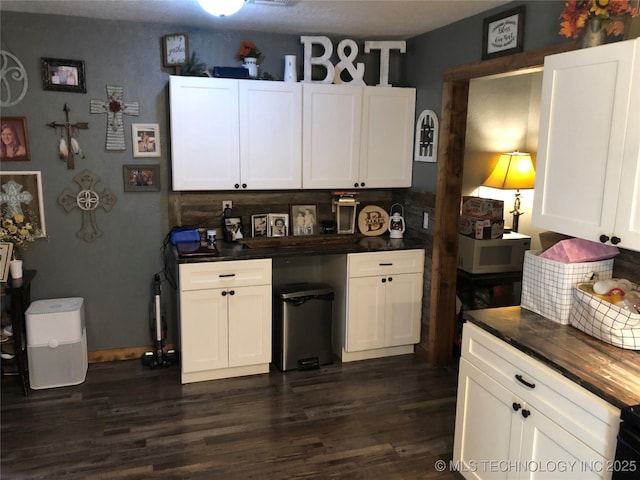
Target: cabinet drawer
column 577, row 410
column 200, row 276
column 384, row 263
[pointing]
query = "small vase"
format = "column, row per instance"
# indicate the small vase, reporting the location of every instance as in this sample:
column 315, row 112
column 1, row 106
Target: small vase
column 251, row 64
column 594, row 33
column 15, row 267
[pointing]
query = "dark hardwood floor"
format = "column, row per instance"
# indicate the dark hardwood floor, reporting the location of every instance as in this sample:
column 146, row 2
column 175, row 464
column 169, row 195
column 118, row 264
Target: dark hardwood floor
column 375, row 419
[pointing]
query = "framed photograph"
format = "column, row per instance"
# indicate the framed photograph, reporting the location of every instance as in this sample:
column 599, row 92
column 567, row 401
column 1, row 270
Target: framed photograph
column 232, row 229
column 14, row 144
column 22, row 193
column 278, row 224
column 141, row 178
column 146, row 139
column 304, row 219
column 259, row 225
column 63, row 75
column 6, row 249
column 175, row 49
column 503, row 34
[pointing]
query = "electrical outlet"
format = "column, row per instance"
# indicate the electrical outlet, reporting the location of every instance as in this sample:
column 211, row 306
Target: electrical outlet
column 425, row 220
column 227, row 204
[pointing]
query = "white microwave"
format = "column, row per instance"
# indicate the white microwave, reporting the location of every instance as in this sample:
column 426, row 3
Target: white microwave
column 504, row 254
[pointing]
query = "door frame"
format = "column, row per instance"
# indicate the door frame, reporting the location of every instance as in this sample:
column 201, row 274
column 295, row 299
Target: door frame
column 453, row 125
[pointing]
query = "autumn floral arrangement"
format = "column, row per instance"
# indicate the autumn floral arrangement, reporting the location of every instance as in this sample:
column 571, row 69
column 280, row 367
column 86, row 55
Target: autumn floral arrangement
column 17, row 230
column 248, row 49
column 612, row 12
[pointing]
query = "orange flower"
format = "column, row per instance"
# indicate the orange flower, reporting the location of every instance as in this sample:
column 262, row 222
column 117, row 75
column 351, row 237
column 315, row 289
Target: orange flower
column 248, row 49
column 612, row 12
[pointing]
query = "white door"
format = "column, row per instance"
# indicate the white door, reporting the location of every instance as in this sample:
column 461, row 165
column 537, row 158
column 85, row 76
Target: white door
column 270, row 135
column 386, row 152
column 403, row 309
column 488, row 427
column 581, row 139
column 550, row 452
column 365, row 314
column 203, row 330
column 205, row 145
column 249, row 325
column 331, row 135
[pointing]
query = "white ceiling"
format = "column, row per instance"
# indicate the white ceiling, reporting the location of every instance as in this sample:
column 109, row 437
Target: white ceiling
column 365, row 19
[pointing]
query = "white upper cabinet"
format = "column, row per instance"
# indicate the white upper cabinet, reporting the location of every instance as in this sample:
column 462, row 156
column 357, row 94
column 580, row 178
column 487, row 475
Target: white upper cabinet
column 357, row 137
column 205, row 141
column 386, row 146
column 332, row 116
column 588, row 165
column 271, row 134
column 235, row 134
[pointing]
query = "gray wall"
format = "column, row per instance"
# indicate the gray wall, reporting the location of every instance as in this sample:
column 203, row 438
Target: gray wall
column 430, row 54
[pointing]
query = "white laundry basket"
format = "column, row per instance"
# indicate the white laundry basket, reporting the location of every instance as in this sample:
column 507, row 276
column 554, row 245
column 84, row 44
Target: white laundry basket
column 56, row 342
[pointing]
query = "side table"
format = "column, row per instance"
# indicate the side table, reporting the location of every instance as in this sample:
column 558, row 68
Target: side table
column 19, row 293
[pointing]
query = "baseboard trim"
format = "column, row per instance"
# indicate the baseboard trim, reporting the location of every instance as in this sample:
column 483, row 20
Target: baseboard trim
column 117, row 354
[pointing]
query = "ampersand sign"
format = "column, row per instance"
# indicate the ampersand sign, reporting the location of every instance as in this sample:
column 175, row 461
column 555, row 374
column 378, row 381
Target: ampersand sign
column 346, row 62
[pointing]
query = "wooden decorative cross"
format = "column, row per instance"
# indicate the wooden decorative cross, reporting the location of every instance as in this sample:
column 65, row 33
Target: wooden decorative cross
column 114, row 107
column 87, row 200
column 69, row 131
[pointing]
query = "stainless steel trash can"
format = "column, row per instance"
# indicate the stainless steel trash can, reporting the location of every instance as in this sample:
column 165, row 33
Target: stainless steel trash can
column 302, row 318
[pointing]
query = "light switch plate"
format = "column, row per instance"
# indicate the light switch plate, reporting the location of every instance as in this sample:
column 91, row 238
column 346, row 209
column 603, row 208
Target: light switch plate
column 425, row 220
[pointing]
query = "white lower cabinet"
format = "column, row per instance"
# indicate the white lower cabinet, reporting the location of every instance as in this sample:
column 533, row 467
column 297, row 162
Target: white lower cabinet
column 225, row 319
column 382, row 304
column 518, row 419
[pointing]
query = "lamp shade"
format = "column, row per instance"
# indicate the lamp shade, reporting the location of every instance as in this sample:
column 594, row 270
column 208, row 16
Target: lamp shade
column 513, row 171
column 221, row 8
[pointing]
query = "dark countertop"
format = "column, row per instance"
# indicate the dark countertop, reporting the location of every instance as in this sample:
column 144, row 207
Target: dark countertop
column 610, row 372
column 273, row 247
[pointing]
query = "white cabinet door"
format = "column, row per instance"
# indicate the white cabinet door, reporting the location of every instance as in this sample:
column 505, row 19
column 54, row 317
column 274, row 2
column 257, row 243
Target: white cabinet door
column 203, row 330
column 331, row 135
column 589, row 135
column 552, row 453
column 488, row 428
column 250, row 326
column 403, row 308
column 270, row 135
column 204, row 133
column 366, row 312
column 386, row 152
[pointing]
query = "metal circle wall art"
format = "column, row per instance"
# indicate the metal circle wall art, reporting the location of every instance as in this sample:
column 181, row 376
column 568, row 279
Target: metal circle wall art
column 13, row 79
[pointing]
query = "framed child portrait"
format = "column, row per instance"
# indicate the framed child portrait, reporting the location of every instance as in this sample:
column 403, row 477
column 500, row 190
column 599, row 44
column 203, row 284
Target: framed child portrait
column 63, row 75
column 278, row 224
column 146, row 139
column 304, row 219
column 14, row 140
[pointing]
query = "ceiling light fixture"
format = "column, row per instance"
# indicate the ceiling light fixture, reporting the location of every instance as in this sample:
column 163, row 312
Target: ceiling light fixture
column 221, row 8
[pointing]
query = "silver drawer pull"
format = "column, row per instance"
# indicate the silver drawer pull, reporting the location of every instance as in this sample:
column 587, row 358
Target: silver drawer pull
column 524, row 382
column 227, row 275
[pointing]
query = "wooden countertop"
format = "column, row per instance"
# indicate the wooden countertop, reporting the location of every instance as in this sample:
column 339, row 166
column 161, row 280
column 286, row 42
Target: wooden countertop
column 254, row 248
column 610, row 372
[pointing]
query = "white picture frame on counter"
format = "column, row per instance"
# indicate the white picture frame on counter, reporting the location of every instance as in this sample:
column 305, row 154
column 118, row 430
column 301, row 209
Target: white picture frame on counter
column 278, row 224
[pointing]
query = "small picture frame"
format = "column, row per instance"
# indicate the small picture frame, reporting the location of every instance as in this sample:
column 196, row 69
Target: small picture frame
column 14, row 146
column 146, row 139
column 28, row 185
column 62, row 75
column 141, row 178
column 175, row 49
column 278, row 224
column 503, row 33
column 259, row 225
column 304, row 219
column 6, row 250
column 232, row 230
